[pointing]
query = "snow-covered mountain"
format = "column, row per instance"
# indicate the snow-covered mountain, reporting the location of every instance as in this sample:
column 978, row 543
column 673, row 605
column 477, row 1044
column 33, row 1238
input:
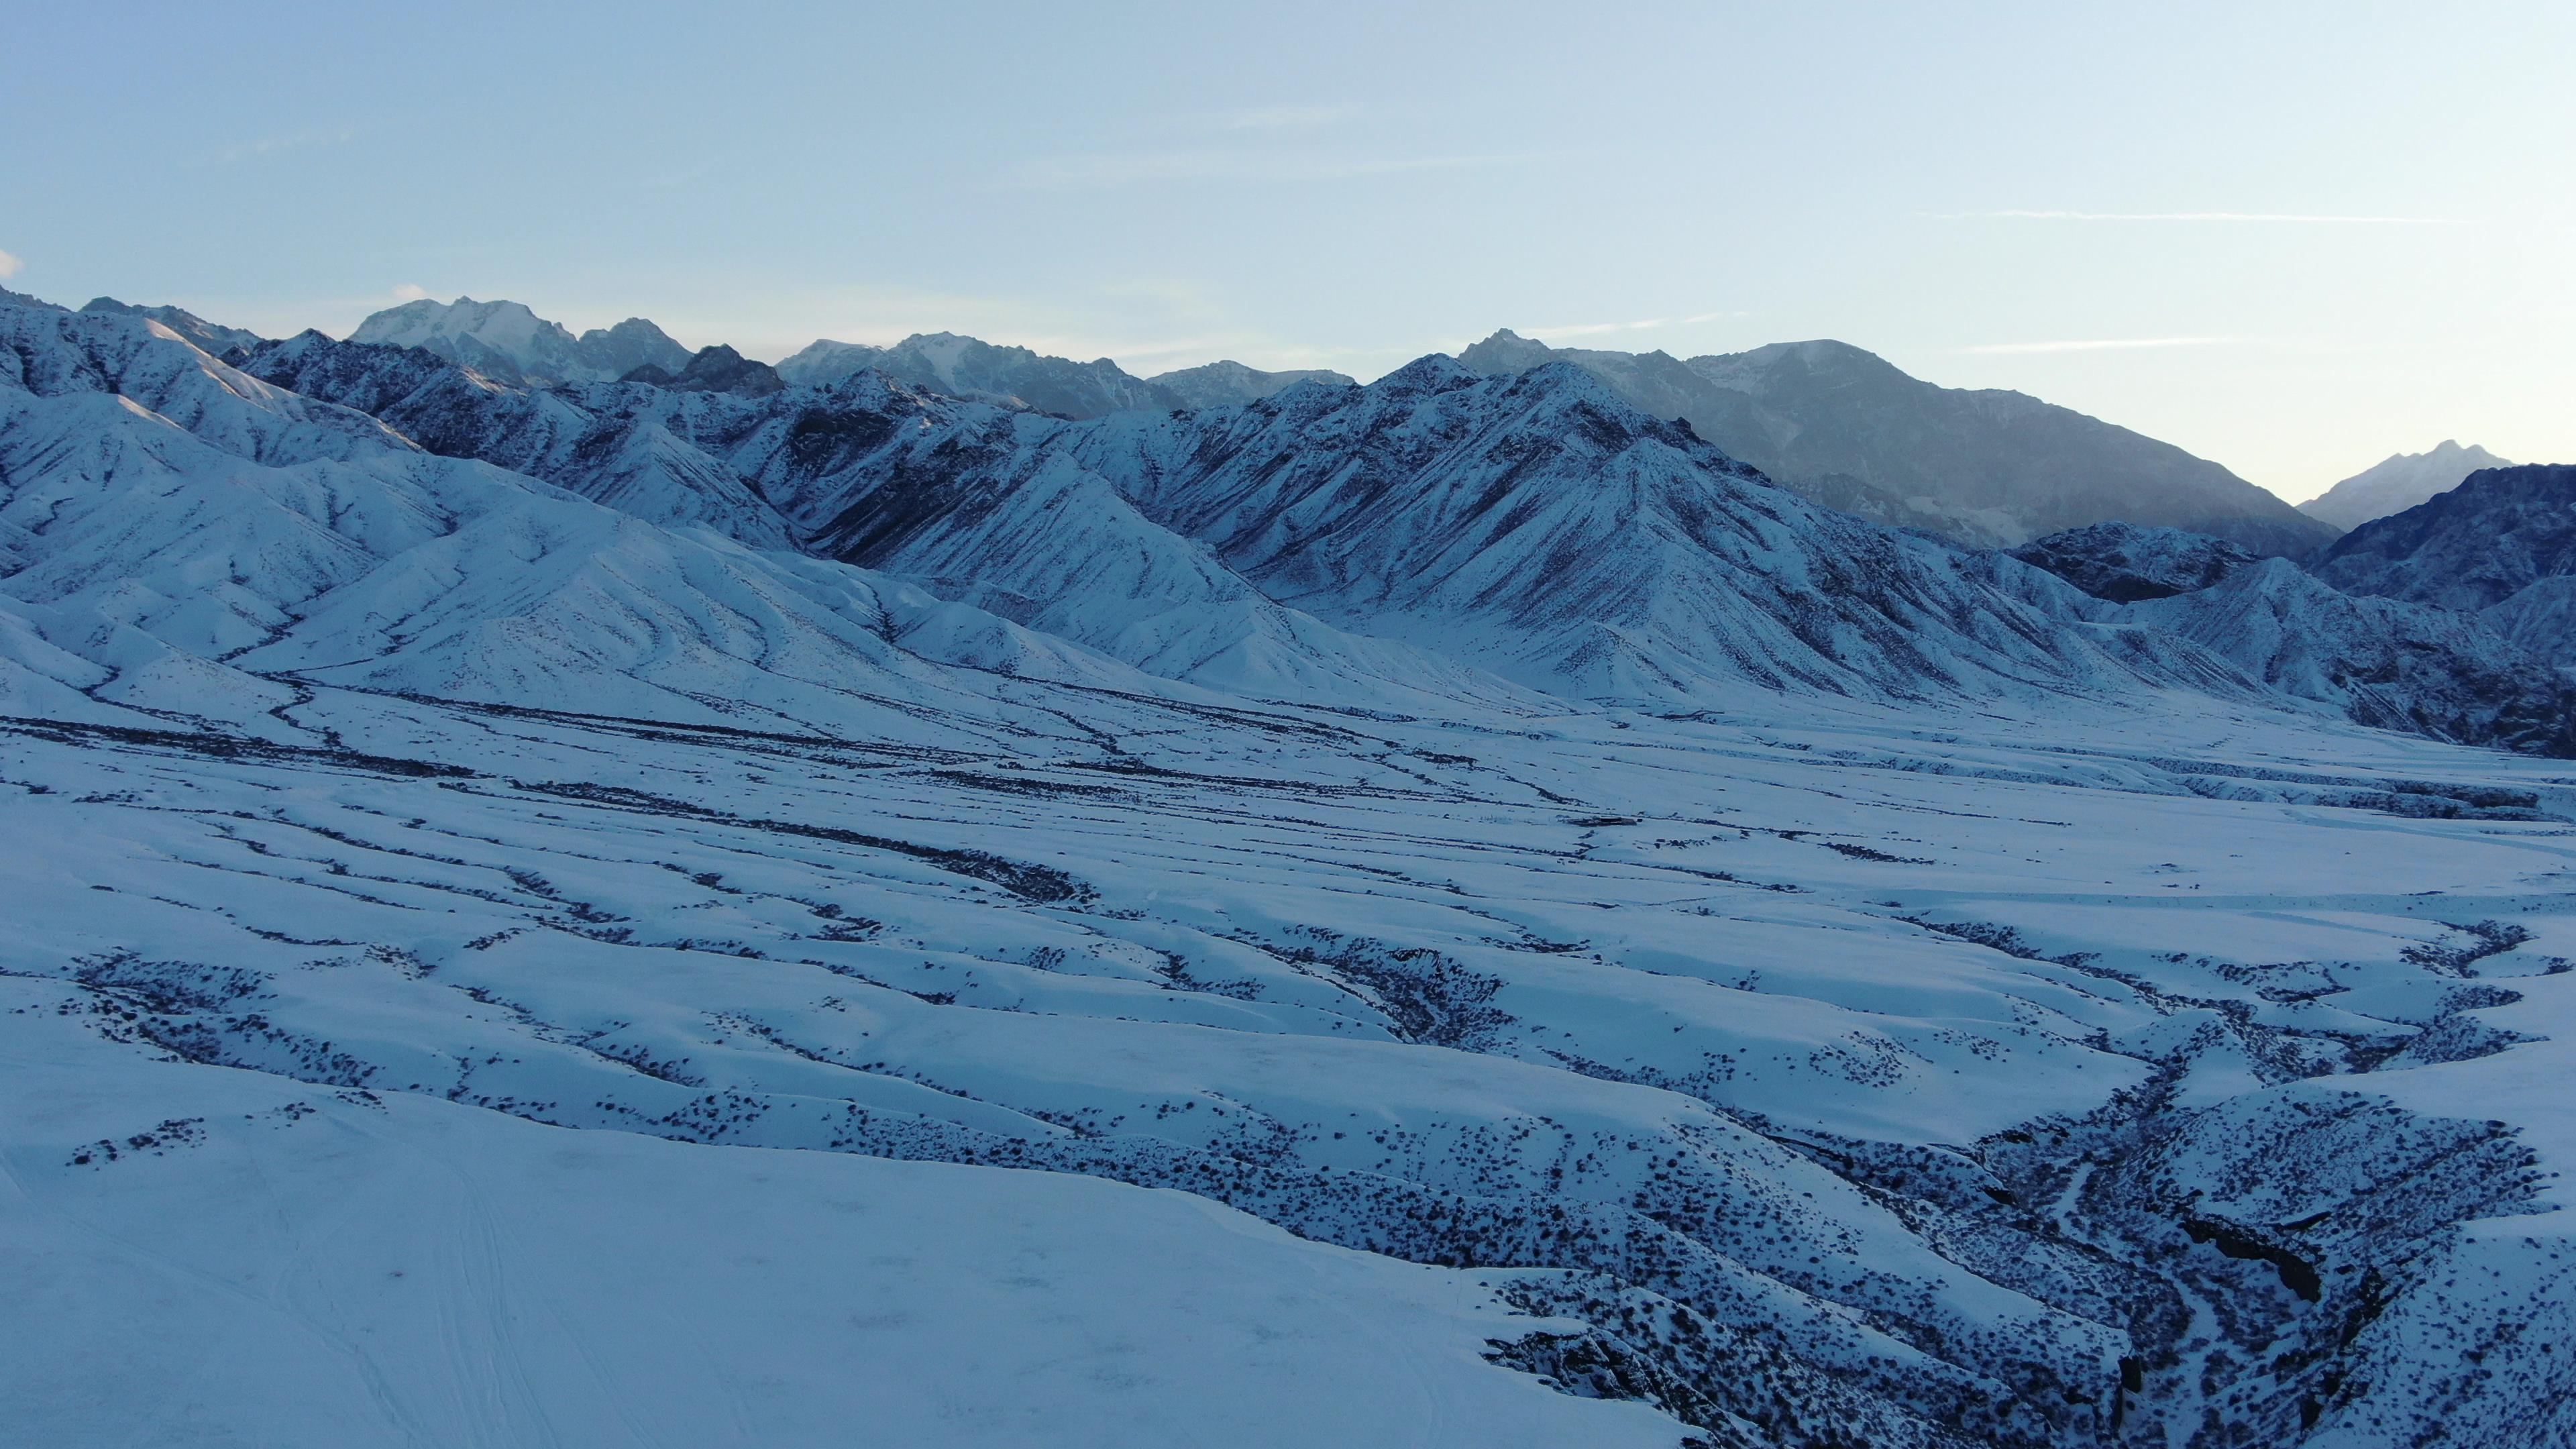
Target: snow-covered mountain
column 1987, row 467
column 508, row 343
column 213, row 338
column 511, row 943
column 823, row 362
column 2398, row 483
column 1231, row 384
column 2502, row 544
column 964, row 367
column 1367, row 542
column 713, row 369
column 2383, row 662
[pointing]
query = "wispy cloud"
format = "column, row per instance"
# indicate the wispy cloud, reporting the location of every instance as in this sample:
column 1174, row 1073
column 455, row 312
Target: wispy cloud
column 9, row 265
column 410, row 292
column 2101, row 344
column 2291, row 217
column 1146, row 167
column 294, row 141
column 1594, row 329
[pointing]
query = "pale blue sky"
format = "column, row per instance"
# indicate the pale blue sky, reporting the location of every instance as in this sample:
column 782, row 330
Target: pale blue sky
column 2294, row 238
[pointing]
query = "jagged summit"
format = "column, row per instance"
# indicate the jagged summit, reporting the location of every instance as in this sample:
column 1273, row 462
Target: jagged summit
column 214, row 339
column 714, row 369
column 2398, row 483
column 509, row 342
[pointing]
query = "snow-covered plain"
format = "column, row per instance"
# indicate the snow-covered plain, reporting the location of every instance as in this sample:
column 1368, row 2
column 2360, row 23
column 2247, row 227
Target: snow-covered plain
column 484, row 968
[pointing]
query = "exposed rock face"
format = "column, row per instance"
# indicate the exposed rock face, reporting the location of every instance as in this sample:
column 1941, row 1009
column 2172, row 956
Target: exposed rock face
column 714, row 369
column 2124, row 563
column 2399, row 483
column 1986, row 467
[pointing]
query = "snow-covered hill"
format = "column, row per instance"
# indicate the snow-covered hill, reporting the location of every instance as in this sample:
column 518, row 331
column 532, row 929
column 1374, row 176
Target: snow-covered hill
column 2398, row 483
column 1986, row 467
column 508, row 343
column 510, row 943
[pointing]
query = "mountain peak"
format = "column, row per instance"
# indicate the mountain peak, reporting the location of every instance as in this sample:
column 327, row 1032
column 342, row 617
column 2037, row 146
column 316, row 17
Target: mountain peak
column 1433, row 372
column 2399, row 482
column 508, row 342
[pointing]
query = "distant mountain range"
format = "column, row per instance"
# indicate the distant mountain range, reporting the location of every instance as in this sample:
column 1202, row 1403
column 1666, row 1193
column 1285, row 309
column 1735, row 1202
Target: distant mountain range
column 2398, row 483
column 1993, row 468
column 964, row 367
column 1437, row 531
column 1832, row 422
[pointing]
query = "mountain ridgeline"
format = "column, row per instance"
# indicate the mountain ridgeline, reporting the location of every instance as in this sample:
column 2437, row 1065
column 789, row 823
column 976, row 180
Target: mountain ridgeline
column 1502, row 536
column 1992, row 468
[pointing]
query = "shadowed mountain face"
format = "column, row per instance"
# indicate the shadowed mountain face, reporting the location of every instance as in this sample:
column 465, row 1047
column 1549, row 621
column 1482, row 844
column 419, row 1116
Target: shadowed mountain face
column 714, row 369
column 2124, row 563
column 2502, row 544
column 2399, row 483
column 1995, row 468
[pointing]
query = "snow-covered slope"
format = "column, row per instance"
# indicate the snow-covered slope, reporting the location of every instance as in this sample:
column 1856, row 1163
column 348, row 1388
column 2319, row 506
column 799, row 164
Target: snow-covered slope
column 212, row 338
column 1987, row 467
column 484, row 966
column 1542, row 527
column 199, row 531
column 2398, row 483
column 823, row 362
column 509, row 343
column 953, row 494
column 2384, row 662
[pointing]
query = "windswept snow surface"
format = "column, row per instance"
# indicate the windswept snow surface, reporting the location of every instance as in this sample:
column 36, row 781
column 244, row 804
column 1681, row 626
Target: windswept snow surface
column 485, row 967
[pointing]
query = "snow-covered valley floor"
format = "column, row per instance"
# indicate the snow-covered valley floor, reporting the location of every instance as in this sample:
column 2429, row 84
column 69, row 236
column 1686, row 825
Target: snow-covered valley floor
column 444, row 1074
